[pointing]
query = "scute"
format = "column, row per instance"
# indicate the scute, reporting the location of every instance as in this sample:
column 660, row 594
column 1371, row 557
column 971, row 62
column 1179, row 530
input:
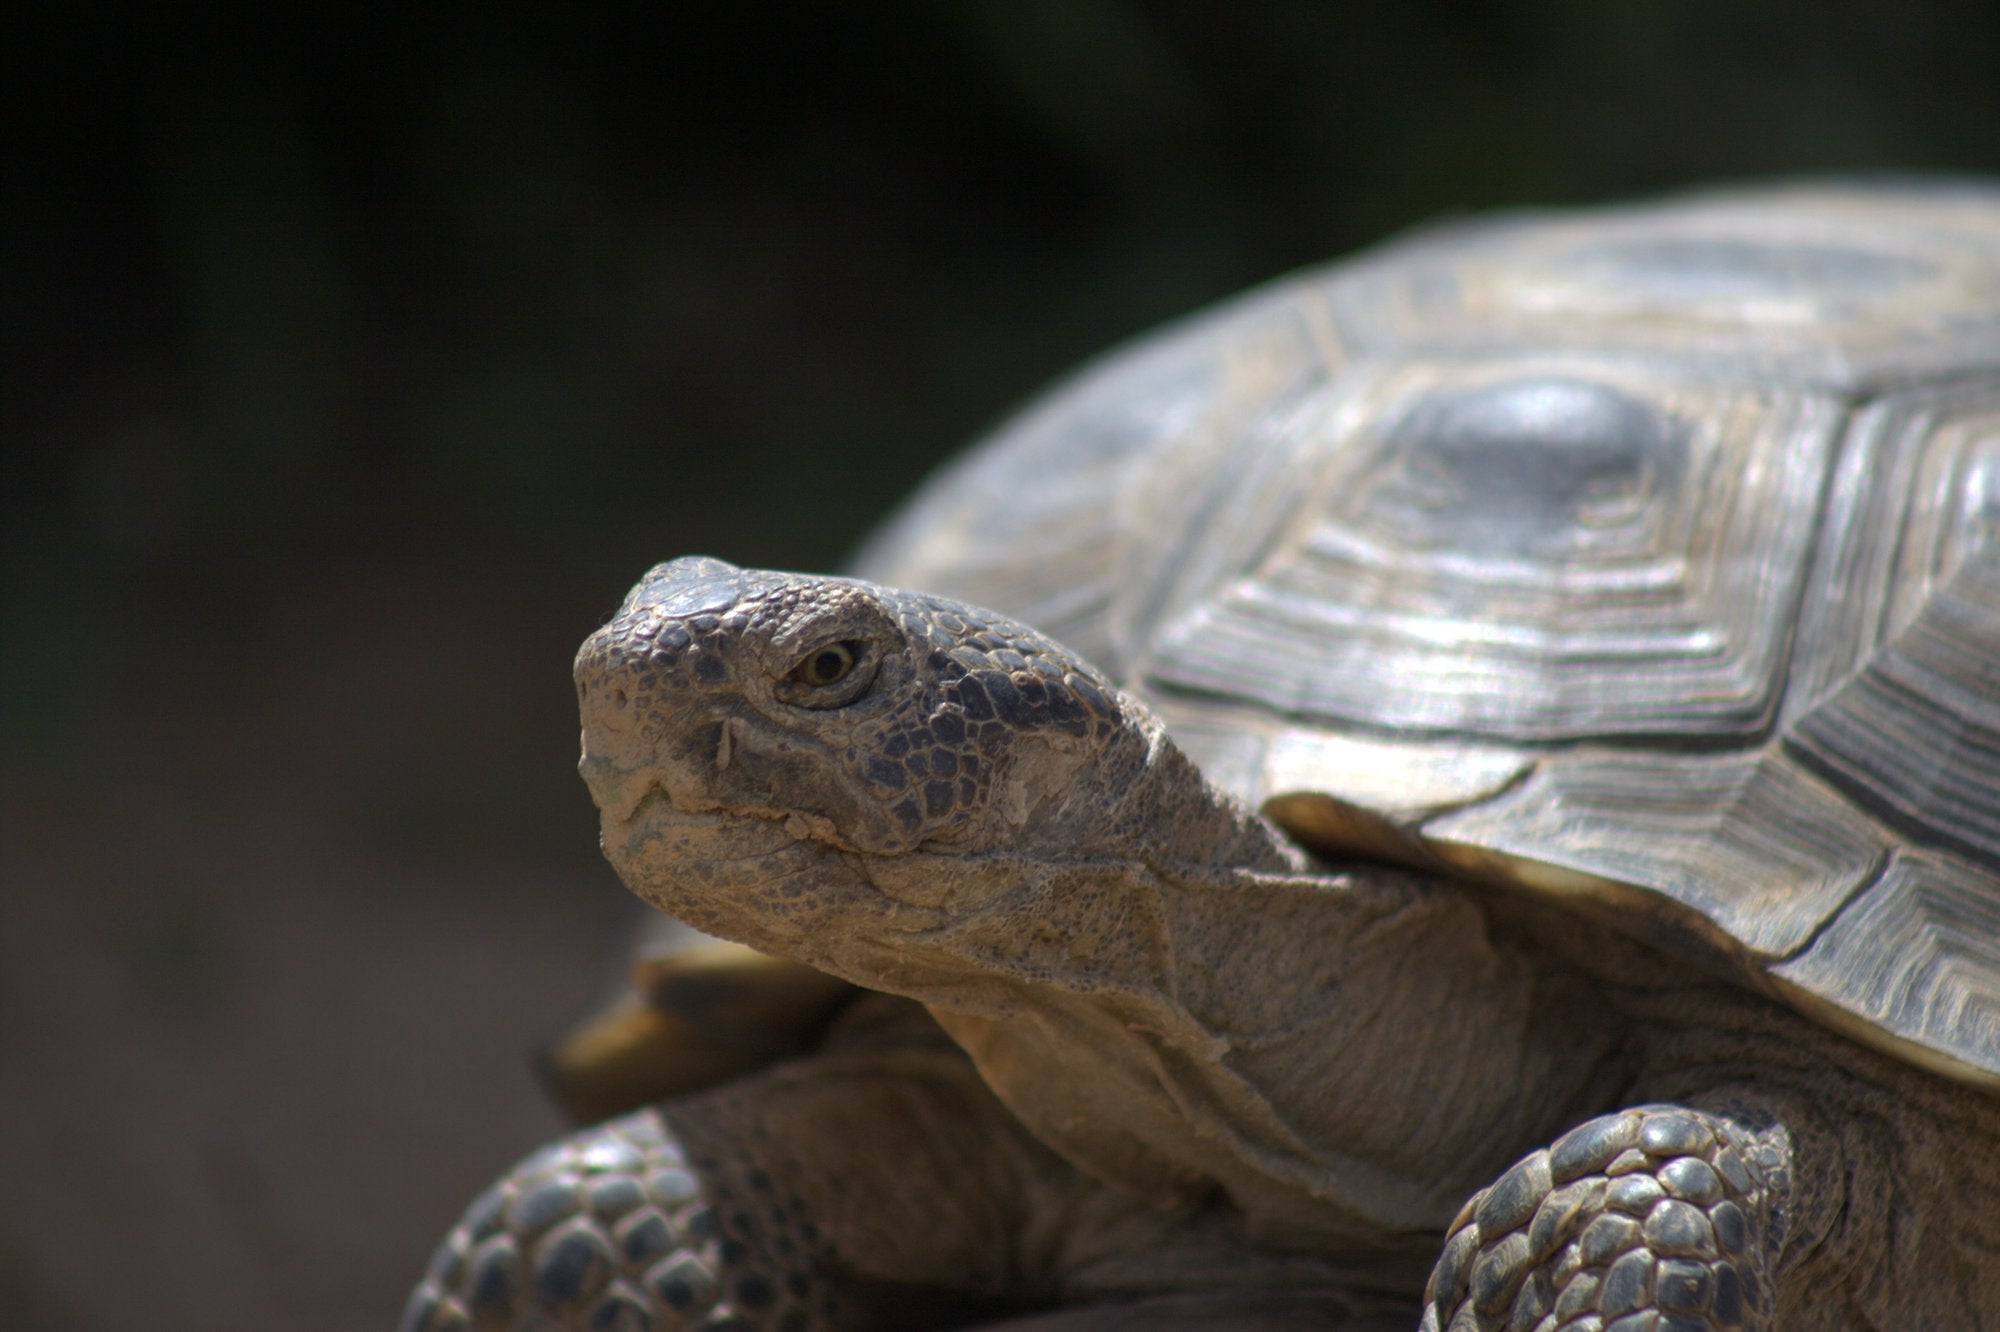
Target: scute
column 1512, row 601
column 1848, row 288
column 1046, row 518
column 1648, row 559
column 1918, row 952
column 1523, row 469
column 1901, row 707
column 1728, row 275
column 1763, row 852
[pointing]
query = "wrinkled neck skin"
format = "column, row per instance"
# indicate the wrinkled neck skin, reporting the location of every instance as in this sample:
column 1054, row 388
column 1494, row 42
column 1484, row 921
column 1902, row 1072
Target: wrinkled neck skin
column 1173, row 997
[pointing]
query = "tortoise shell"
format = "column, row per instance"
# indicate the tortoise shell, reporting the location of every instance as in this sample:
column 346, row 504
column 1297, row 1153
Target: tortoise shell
column 1647, row 559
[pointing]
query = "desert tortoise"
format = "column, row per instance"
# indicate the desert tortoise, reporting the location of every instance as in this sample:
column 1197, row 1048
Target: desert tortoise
column 1603, row 612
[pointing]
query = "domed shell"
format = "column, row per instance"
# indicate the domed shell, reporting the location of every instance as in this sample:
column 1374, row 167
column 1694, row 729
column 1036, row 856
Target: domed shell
column 1646, row 558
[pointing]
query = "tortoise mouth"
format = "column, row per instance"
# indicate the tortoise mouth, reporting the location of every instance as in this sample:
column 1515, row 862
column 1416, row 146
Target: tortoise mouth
column 760, row 879
column 654, row 805
column 709, row 868
column 711, row 836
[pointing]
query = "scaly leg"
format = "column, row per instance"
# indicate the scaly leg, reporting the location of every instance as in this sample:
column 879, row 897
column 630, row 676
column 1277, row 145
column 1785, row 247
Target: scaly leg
column 1661, row 1218
column 875, row 1184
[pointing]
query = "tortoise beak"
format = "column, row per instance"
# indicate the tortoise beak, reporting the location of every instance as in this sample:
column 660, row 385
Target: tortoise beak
column 617, row 785
column 637, row 679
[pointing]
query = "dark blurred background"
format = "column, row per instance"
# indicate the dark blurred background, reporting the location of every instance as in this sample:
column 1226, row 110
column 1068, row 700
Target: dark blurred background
column 357, row 358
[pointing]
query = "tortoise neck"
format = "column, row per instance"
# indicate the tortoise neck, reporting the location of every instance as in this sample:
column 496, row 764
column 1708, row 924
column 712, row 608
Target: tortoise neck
column 1176, row 999
column 1276, row 1035
column 1152, row 804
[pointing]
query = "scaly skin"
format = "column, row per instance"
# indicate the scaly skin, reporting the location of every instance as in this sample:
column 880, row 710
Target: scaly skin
column 1254, row 1072
column 729, row 1210
column 1644, row 1218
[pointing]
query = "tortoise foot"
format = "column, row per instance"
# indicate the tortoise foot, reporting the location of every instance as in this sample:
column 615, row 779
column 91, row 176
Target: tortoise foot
column 1648, row 1220
column 614, row 1229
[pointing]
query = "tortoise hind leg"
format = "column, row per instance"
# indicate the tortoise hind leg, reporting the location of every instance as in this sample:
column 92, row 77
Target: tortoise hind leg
column 1655, row 1219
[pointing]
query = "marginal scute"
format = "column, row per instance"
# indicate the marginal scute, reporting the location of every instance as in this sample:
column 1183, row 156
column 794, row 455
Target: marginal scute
column 1401, row 782
column 1337, row 830
column 1747, row 848
column 1917, row 955
column 702, row 1011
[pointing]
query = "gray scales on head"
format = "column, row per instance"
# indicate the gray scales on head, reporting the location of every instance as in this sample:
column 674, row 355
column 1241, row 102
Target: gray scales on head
column 1604, row 613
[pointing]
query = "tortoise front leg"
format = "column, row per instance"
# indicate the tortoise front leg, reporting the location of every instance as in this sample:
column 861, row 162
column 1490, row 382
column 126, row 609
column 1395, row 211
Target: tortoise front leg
column 1655, row 1219
column 613, row 1228
column 874, row 1183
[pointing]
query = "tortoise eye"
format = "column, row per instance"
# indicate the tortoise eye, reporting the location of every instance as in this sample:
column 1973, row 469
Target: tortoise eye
column 829, row 665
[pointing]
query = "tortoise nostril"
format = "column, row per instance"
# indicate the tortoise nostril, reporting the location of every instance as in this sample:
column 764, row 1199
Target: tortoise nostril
column 618, row 698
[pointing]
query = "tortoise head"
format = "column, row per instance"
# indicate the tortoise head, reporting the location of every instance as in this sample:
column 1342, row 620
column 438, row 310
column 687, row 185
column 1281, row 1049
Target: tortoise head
column 755, row 740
